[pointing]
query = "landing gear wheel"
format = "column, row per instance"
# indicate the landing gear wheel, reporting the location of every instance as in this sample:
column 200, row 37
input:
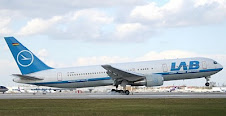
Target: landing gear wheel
column 120, row 91
column 207, row 81
column 207, row 84
column 127, row 92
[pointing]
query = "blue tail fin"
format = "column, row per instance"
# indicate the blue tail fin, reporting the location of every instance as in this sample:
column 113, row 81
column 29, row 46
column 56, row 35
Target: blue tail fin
column 25, row 59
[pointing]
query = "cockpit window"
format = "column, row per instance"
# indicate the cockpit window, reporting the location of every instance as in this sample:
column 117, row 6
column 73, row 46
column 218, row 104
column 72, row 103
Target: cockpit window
column 2, row 87
column 215, row 62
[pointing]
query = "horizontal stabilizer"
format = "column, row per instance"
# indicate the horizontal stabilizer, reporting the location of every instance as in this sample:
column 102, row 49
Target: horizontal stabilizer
column 24, row 77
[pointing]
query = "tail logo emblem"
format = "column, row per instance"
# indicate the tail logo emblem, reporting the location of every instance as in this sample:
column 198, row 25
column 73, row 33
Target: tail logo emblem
column 25, row 58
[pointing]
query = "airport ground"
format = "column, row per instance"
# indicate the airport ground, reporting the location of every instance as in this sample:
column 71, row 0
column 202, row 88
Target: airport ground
column 113, row 107
column 105, row 104
column 101, row 95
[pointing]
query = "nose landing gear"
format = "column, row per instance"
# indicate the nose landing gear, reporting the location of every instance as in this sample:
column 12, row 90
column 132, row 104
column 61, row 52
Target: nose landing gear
column 207, row 84
column 207, row 81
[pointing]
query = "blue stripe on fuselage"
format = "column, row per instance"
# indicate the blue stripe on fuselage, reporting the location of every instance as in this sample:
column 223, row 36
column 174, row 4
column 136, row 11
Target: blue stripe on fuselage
column 108, row 78
column 72, row 81
column 190, row 71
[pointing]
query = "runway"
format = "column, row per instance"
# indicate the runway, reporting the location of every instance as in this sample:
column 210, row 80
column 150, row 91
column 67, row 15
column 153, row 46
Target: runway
column 153, row 95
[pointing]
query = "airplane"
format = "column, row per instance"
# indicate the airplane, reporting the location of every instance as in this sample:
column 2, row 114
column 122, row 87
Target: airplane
column 33, row 90
column 172, row 89
column 19, row 90
column 223, row 89
column 24, row 58
column 44, row 91
column 3, row 89
column 144, row 73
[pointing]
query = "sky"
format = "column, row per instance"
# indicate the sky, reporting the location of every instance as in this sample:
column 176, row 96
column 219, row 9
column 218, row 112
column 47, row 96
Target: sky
column 72, row 33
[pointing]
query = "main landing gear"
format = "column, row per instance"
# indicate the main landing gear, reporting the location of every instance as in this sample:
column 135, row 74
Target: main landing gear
column 123, row 92
column 207, row 81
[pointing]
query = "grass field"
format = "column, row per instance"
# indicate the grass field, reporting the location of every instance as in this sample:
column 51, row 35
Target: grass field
column 113, row 107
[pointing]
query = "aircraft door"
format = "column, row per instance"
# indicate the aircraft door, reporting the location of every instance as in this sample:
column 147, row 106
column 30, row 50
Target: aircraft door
column 59, row 76
column 165, row 68
column 204, row 65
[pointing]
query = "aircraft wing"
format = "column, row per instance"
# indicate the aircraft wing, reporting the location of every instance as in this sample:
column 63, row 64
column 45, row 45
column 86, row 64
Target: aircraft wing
column 119, row 74
column 25, row 77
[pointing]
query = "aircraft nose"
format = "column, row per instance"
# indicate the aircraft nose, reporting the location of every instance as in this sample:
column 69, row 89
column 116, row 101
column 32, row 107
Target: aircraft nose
column 221, row 67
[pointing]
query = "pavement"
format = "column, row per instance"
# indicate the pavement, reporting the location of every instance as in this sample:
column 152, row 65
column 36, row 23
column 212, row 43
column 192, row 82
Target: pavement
column 146, row 95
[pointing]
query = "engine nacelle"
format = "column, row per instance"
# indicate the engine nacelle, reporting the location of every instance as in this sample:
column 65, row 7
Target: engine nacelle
column 154, row 80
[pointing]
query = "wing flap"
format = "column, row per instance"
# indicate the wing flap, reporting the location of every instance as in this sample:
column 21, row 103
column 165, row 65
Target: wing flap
column 120, row 74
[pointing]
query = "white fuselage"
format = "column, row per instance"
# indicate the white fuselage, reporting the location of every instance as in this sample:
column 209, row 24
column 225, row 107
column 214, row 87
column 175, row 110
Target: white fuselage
column 92, row 76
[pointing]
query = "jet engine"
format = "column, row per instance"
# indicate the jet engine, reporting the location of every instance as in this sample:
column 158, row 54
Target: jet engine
column 154, row 80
